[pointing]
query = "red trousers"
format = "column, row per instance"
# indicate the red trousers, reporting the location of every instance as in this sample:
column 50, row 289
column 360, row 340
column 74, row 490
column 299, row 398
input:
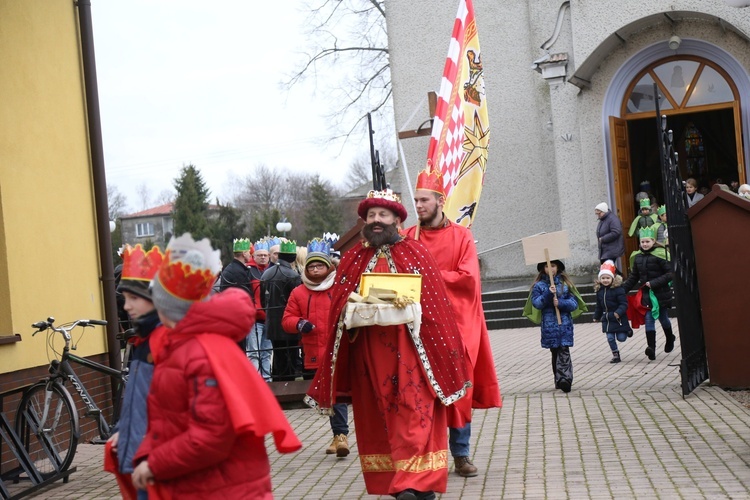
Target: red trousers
column 401, row 425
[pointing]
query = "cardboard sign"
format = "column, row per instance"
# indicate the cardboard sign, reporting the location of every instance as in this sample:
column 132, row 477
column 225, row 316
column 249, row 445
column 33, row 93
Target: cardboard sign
column 556, row 244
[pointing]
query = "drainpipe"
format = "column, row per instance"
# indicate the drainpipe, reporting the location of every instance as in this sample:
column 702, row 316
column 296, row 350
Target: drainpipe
column 100, row 181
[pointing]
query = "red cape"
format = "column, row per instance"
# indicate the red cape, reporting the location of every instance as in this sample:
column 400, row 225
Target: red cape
column 452, row 246
column 439, row 336
column 251, row 404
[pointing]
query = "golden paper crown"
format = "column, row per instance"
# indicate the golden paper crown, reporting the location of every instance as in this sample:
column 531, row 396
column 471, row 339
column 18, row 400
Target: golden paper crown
column 431, row 180
column 386, row 194
column 189, row 268
column 140, row 265
column 386, row 199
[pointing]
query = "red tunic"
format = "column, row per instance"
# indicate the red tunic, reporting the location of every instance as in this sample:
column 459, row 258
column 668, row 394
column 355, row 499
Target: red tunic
column 400, row 421
column 452, row 246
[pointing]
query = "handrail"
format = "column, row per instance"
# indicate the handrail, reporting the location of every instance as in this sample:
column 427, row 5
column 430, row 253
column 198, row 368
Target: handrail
column 509, row 243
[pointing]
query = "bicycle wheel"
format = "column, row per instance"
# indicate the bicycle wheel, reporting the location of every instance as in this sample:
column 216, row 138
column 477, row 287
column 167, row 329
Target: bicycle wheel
column 50, row 437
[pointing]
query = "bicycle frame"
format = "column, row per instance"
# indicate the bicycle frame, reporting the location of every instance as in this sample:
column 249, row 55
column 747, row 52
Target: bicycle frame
column 65, row 370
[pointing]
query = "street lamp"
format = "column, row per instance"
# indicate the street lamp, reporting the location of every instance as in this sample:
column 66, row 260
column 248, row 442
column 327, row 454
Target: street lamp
column 283, row 226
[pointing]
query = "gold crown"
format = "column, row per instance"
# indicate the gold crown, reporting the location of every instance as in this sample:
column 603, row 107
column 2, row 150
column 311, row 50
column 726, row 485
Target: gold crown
column 386, row 194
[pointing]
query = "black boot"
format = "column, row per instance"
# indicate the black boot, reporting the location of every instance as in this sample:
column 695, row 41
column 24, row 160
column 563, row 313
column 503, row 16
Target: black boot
column 669, row 345
column 615, row 357
column 651, row 341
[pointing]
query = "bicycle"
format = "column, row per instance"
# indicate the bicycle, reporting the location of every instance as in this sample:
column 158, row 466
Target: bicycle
column 47, row 418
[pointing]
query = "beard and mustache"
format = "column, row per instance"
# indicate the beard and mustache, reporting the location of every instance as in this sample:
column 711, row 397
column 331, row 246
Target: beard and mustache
column 388, row 235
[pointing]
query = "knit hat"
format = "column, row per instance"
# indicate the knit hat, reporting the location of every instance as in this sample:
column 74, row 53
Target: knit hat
column 607, row 269
column 241, row 245
column 318, row 250
column 431, row 180
column 386, row 199
column 138, row 269
column 602, row 207
column 560, row 265
column 186, row 275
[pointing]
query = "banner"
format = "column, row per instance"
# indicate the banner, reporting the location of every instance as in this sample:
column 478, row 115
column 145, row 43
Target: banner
column 461, row 131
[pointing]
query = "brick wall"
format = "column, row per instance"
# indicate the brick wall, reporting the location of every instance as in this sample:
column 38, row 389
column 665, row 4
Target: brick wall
column 97, row 384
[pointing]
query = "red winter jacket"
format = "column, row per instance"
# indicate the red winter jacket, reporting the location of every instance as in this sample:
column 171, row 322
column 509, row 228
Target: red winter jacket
column 314, row 307
column 191, row 445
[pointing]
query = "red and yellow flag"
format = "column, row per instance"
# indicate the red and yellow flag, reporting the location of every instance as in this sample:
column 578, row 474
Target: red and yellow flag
column 461, row 131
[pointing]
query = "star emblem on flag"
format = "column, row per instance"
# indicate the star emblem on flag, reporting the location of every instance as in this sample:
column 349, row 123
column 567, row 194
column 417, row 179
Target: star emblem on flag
column 476, row 142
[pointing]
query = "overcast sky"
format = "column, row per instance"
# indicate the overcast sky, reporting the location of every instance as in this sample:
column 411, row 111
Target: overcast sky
column 183, row 81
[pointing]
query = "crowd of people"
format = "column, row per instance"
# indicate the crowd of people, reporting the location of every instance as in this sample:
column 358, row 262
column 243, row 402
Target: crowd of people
column 210, row 339
column 198, row 405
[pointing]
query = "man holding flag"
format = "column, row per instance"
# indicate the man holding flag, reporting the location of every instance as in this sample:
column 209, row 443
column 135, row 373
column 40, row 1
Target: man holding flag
column 446, row 198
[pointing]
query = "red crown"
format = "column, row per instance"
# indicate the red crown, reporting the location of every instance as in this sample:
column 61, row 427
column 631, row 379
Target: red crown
column 140, row 265
column 431, row 180
column 180, row 280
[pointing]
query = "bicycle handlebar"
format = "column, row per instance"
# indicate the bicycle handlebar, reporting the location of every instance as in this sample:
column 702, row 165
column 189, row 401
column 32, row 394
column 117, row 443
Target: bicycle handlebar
column 65, row 329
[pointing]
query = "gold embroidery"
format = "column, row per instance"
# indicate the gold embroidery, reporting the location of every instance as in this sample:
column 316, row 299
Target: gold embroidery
column 426, row 463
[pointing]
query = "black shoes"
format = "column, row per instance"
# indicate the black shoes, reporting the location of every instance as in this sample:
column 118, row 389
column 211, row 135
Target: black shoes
column 564, row 385
column 411, row 494
column 615, row 357
column 651, row 353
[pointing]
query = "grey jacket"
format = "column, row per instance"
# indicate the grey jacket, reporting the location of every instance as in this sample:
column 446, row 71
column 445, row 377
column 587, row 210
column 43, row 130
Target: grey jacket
column 609, row 235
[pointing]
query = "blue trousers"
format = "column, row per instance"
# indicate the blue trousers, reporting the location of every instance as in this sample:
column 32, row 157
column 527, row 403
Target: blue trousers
column 458, row 440
column 259, row 349
column 663, row 320
column 613, row 338
column 340, row 419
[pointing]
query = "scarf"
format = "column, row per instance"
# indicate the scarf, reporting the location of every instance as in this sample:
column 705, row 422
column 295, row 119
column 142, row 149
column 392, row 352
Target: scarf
column 324, row 285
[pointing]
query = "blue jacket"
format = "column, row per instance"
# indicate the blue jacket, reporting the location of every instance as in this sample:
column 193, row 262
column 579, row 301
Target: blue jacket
column 611, row 300
column 554, row 335
column 133, row 415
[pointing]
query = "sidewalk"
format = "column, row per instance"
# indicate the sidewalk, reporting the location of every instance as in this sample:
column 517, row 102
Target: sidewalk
column 623, row 432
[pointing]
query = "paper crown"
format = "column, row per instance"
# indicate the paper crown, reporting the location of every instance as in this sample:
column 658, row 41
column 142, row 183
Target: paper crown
column 288, row 246
column 431, row 180
column 273, row 241
column 608, row 268
column 319, row 245
column 331, row 238
column 189, row 268
column 241, row 245
column 386, row 199
column 648, row 232
column 645, row 203
column 261, row 245
column 140, row 265
column 661, row 210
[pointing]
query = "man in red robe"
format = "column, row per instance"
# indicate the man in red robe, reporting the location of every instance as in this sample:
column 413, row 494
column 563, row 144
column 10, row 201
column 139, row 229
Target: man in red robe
column 452, row 246
column 400, row 382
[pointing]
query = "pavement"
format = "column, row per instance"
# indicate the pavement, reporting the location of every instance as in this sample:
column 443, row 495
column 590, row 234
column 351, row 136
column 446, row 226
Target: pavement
column 624, row 431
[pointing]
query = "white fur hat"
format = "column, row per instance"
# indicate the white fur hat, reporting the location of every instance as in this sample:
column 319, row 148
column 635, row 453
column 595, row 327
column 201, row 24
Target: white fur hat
column 602, row 207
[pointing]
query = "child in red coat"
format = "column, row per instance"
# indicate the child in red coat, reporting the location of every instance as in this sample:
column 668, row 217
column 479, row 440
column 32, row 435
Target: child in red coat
column 307, row 312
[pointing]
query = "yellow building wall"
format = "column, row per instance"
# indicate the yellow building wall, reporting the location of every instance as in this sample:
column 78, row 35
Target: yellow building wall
column 49, row 263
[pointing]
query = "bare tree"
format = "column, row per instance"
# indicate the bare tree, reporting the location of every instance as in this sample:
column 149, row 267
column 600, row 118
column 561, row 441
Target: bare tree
column 117, row 202
column 348, row 39
column 360, row 170
column 166, row 196
column 144, row 196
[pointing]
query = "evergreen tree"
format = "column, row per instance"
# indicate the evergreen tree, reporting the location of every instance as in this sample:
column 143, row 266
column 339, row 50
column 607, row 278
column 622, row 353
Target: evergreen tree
column 264, row 223
column 321, row 215
column 224, row 229
column 191, row 203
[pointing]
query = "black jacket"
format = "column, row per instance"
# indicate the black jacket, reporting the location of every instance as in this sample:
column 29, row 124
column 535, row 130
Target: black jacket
column 649, row 268
column 609, row 234
column 277, row 284
column 235, row 275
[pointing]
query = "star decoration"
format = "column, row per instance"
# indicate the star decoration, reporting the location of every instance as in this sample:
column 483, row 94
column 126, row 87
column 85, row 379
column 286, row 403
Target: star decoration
column 476, row 144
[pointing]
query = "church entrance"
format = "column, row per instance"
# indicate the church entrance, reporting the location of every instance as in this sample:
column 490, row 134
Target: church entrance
column 702, row 107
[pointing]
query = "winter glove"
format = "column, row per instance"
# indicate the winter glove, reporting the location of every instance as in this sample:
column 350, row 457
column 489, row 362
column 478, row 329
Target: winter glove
column 304, row 326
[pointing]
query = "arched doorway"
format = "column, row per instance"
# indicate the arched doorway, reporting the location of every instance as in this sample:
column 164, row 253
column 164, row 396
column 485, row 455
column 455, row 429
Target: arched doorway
column 704, row 111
